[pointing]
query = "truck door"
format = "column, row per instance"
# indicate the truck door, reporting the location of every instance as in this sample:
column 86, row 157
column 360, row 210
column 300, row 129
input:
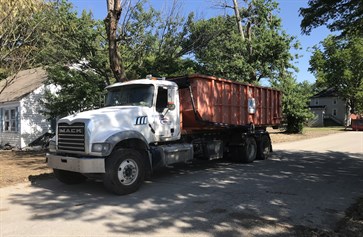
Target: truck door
column 167, row 122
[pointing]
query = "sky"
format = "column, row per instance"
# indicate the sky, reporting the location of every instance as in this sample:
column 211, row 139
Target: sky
column 289, row 13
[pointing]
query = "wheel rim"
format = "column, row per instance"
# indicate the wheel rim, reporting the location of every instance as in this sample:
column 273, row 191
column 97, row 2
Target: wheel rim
column 128, row 172
column 266, row 150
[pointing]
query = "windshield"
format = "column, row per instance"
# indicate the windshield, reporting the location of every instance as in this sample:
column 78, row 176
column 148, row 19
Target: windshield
column 135, row 95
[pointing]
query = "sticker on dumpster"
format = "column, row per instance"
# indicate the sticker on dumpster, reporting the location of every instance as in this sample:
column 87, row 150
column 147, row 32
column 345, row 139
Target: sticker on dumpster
column 251, row 105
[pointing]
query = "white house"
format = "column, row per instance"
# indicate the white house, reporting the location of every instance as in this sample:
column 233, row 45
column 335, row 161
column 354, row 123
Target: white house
column 20, row 119
column 329, row 109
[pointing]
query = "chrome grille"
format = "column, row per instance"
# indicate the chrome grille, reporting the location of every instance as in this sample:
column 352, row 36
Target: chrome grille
column 71, row 137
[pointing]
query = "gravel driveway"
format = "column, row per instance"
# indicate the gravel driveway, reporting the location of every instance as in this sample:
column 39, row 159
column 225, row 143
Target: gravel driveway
column 305, row 183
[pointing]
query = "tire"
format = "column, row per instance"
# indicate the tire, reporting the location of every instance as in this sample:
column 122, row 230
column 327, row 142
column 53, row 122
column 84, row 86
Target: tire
column 264, row 148
column 249, row 150
column 245, row 153
column 125, row 171
column 69, row 177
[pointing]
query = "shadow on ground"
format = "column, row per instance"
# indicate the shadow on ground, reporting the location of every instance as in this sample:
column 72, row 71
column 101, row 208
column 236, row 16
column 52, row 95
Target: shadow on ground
column 265, row 198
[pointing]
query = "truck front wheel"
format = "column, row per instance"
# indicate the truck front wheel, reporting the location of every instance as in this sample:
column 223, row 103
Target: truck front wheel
column 69, row 177
column 125, row 171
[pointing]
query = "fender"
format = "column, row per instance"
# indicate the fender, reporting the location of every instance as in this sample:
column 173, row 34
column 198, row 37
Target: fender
column 126, row 135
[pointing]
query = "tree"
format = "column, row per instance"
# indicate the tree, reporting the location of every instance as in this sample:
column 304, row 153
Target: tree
column 337, row 15
column 19, row 23
column 295, row 102
column 169, row 58
column 51, row 34
column 238, row 19
column 149, row 42
column 338, row 64
column 138, row 39
column 114, row 10
column 77, row 90
column 71, row 37
column 219, row 49
column 75, row 55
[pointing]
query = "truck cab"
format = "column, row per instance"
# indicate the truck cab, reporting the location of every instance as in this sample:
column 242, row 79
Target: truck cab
column 156, row 103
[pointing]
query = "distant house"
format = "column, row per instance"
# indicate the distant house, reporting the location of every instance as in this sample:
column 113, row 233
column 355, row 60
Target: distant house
column 329, row 109
column 20, row 119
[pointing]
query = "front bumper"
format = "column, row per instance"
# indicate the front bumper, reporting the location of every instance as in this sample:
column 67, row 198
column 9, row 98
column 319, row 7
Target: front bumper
column 80, row 165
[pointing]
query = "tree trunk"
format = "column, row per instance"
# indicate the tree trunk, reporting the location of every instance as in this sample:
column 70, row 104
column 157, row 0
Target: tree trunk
column 238, row 19
column 111, row 21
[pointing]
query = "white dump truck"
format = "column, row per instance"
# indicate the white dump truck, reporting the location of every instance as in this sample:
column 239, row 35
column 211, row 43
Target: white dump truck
column 151, row 123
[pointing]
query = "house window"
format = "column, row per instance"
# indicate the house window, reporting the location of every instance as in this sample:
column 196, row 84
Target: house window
column 334, row 101
column 10, row 120
column 335, row 112
column 316, row 101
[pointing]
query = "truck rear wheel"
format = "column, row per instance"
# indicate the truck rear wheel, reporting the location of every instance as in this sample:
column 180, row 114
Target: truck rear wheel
column 264, row 148
column 125, row 171
column 249, row 150
column 246, row 152
column 69, row 177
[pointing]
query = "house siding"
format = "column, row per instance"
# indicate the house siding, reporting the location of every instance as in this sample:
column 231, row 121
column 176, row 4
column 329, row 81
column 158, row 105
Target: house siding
column 318, row 120
column 24, row 94
column 33, row 122
column 331, row 104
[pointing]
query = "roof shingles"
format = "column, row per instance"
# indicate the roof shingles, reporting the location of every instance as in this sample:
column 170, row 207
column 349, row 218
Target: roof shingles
column 24, row 83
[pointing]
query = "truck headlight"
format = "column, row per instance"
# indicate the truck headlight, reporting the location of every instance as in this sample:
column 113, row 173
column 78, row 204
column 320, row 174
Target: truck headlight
column 52, row 146
column 100, row 147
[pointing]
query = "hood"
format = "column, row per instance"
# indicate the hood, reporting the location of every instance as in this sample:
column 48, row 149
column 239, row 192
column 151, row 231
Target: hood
column 105, row 121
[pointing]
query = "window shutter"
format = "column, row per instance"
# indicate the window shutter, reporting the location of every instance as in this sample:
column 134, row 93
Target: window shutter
column 1, row 120
column 17, row 117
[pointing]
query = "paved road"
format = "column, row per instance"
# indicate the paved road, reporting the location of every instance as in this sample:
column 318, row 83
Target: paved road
column 307, row 183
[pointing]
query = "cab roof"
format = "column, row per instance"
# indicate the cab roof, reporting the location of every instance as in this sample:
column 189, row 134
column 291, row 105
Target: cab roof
column 144, row 82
